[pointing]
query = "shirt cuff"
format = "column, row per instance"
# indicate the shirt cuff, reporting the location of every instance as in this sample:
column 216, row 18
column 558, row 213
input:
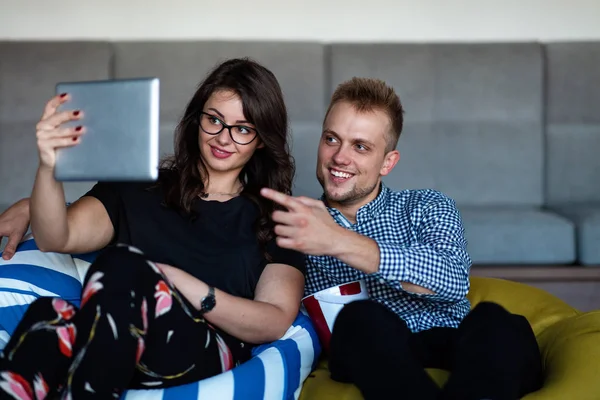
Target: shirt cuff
column 393, row 269
column 391, row 262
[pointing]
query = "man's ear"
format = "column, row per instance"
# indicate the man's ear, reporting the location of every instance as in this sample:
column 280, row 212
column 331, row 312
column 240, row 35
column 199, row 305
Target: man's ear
column 389, row 162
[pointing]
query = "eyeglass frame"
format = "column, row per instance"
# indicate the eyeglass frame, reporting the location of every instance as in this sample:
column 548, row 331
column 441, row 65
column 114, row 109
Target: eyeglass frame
column 223, row 126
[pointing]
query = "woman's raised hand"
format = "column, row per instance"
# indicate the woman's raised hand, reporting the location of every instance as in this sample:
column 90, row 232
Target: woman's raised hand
column 51, row 135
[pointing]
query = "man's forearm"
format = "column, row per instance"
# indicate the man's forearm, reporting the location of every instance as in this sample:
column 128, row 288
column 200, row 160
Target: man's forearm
column 23, row 205
column 363, row 253
column 356, row 250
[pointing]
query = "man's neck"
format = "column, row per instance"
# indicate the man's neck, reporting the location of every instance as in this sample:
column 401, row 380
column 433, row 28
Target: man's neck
column 350, row 210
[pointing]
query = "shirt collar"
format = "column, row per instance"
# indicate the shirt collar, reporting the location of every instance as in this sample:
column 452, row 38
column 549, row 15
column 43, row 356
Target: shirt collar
column 366, row 212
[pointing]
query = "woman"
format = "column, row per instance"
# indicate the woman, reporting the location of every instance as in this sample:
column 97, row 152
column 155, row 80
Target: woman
column 196, row 277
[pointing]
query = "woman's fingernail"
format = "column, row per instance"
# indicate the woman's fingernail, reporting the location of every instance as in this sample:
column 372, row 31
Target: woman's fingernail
column 74, row 139
column 78, row 129
column 76, row 113
column 63, row 95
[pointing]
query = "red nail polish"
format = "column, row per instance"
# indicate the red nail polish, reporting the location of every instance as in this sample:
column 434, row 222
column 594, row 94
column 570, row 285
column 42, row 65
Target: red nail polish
column 78, row 129
column 63, row 95
column 74, row 139
column 75, row 113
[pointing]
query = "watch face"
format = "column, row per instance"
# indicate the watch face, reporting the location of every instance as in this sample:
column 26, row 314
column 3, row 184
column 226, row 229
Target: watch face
column 208, row 303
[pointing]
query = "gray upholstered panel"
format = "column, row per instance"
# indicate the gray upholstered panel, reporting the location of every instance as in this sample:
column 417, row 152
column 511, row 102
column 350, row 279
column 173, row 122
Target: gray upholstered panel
column 19, row 162
column 490, row 163
column 588, row 232
column 468, row 161
column 419, row 162
column 573, row 164
column 573, row 90
column 453, row 82
column 573, row 133
column 30, row 71
column 409, row 68
column 181, row 66
column 489, row 82
column 304, row 145
column 488, row 109
column 166, row 140
column 518, row 235
column 587, row 220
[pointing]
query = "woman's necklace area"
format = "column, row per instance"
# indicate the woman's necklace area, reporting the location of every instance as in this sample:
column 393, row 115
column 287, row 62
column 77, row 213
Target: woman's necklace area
column 205, row 195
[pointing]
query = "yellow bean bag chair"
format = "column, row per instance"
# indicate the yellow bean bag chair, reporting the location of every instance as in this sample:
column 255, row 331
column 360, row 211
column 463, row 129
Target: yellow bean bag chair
column 569, row 341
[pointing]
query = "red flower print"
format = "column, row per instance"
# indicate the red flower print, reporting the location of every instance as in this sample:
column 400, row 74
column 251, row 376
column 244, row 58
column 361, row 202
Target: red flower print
column 224, row 354
column 15, row 385
column 145, row 315
column 40, row 387
column 64, row 310
column 163, row 299
column 66, row 339
column 140, row 349
column 93, row 285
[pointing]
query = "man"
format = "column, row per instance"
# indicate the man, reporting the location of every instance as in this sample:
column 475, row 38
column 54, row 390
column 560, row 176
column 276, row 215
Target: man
column 410, row 248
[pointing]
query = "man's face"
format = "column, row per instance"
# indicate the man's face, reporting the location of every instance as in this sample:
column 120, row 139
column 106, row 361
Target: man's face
column 352, row 155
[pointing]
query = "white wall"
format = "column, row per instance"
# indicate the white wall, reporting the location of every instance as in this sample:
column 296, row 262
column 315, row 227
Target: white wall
column 323, row 20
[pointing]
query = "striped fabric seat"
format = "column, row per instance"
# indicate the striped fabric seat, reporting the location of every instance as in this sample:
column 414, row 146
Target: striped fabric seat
column 276, row 371
column 31, row 274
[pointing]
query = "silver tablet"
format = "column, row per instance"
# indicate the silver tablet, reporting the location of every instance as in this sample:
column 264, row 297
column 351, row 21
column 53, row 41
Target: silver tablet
column 121, row 118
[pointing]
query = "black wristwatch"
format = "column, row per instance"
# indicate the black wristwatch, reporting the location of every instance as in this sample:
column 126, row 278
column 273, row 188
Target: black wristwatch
column 208, row 302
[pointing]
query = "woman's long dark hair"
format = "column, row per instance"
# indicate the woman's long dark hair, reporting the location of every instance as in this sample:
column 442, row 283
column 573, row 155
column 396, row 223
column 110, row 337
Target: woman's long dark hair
column 271, row 166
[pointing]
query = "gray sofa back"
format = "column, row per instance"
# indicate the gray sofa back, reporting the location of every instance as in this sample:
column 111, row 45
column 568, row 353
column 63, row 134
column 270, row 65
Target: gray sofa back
column 573, row 123
column 506, row 129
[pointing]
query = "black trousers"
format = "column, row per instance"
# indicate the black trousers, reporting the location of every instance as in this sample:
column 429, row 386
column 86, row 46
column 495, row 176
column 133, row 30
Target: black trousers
column 133, row 330
column 493, row 354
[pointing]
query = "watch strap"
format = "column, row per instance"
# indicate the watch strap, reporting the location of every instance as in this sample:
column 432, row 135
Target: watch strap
column 208, row 302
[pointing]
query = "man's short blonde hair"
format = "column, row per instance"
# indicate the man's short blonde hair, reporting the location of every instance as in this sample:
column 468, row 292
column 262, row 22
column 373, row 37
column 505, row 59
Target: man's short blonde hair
column 366, row 95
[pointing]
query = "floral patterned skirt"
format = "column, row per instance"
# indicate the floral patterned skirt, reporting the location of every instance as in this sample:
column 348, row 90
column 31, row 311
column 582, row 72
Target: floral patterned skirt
column 132, row 330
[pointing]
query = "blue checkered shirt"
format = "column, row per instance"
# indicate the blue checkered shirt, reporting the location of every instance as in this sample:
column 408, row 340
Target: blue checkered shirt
column 421, row 241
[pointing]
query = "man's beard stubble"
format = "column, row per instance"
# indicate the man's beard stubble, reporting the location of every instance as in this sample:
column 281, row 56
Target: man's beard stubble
column 353, row 196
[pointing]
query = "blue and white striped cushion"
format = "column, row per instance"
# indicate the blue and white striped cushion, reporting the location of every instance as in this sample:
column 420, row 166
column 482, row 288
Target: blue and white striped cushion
column 276, row 371
column 31, row 274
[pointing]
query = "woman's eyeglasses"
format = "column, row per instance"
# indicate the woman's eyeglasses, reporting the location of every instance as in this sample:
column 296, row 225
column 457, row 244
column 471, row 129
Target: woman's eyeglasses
column 239, row 133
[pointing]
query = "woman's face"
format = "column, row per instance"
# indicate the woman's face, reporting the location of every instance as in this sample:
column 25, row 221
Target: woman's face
column 220, row 153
